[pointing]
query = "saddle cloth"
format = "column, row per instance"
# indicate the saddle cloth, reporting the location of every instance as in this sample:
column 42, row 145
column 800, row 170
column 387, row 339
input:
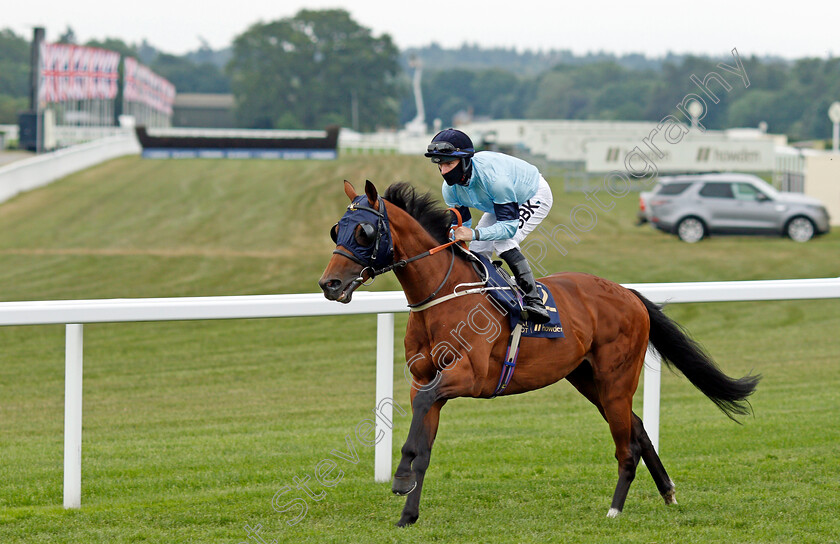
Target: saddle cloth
column 511, row 301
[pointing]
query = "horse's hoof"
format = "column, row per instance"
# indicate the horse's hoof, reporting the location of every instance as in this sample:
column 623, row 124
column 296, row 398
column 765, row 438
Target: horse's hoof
column 613, row 513
column 668, row 496
column 403, row 485
column 405, row 521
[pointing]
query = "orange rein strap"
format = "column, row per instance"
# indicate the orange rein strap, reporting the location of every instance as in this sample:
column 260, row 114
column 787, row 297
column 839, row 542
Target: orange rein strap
column 432, row 251
column 428, row 301
column 446, row 245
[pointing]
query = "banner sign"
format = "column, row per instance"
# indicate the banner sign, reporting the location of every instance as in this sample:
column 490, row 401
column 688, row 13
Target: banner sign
column 689, row 155
column 71, row 72
column 146, row 87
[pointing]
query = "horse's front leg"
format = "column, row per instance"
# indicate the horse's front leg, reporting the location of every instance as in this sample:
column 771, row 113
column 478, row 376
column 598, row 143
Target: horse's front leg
column 416, row 452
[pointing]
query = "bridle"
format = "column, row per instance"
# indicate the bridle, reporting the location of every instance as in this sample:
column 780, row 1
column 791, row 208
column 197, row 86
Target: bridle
column 381, row 227
column 371, row 271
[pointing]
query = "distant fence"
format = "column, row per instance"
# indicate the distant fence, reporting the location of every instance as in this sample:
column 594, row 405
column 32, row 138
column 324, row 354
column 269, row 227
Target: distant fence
column 28, row 174
column 66, row 135
column 76, row 312
column 69, row 135
column 351, row 142
column 8, row 133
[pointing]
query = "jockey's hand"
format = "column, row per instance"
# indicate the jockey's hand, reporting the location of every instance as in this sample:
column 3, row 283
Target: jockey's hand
column 462, row 233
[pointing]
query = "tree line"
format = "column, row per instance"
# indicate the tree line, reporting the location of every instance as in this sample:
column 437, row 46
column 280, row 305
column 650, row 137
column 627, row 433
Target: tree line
column 791, row 97
column 321, row 67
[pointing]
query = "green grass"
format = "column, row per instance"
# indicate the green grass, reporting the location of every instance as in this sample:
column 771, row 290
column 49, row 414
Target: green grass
column 191, row 428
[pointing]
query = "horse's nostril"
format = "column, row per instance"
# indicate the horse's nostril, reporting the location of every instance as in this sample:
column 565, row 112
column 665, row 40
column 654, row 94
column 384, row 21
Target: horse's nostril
column 330, row 285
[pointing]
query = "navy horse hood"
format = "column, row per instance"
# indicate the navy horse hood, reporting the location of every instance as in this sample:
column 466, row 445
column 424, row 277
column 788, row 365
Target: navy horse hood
column 365, row 233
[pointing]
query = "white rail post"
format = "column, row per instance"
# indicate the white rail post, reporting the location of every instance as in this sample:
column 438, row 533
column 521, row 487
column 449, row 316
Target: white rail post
column 73, row 417
column 653, row 379
column 384, row 390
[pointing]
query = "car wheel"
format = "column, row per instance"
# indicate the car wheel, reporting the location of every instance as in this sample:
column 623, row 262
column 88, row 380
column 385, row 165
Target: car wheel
column 800, row 229
column 691, row 230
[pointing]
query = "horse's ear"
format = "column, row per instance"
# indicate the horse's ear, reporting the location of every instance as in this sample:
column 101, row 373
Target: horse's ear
column 373, row 196
column 349, row 190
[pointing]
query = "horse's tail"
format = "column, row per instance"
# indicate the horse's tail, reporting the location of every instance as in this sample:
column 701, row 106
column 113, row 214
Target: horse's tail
column 681, row 352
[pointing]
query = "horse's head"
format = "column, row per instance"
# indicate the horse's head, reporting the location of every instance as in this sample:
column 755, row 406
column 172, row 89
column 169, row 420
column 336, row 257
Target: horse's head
column 363, row 244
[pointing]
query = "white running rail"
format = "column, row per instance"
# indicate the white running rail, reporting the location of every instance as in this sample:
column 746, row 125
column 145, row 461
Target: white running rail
column 75, row 313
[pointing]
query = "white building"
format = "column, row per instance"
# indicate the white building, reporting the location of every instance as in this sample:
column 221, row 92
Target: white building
column 604, row 145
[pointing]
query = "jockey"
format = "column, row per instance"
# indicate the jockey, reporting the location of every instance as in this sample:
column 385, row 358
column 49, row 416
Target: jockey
column 513, row 196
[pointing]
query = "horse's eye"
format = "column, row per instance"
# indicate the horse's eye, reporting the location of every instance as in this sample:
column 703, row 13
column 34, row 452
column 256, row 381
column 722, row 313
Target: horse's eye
column 334, row 233
column 365, row 234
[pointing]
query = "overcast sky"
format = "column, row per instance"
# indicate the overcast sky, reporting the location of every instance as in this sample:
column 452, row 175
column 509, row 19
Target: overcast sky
column 652, row 27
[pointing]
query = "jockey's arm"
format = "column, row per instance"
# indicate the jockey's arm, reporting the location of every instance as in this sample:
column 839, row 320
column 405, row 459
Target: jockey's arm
column 507, row 221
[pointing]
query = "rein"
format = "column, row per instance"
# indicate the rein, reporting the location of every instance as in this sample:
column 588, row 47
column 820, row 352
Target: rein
column 473, row 288
column 373, row 272
column 369, row 273
column 426, row 302
column 477, row 288
column 404, row 262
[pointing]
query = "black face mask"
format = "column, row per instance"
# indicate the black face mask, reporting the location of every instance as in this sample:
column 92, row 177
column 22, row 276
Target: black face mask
column 460, row 175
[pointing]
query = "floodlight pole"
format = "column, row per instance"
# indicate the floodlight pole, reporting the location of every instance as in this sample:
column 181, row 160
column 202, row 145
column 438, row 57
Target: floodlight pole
column 38, row 36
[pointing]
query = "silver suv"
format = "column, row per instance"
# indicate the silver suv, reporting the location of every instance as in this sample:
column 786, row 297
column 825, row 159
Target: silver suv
column 695, row 206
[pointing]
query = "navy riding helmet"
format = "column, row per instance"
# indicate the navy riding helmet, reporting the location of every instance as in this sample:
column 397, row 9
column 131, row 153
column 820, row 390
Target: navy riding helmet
column 453, row 145
column 365, row 233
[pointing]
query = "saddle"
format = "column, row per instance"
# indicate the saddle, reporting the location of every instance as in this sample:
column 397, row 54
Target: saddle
column 503, row 290
column 502, row 287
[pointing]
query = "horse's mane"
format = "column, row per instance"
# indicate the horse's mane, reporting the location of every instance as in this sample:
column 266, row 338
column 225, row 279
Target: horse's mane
column 425, row 208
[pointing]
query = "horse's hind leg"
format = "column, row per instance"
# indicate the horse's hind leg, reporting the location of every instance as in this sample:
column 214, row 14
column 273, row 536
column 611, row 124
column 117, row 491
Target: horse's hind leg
column 663, row 483
column 615, row 408
column 639, row 445
column 618, row 413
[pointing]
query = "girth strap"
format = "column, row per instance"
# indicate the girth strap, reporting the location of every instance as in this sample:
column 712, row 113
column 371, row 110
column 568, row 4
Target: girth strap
column 509, row 364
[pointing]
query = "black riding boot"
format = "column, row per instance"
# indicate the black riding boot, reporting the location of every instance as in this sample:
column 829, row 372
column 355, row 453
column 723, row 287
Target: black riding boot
column 533, row 304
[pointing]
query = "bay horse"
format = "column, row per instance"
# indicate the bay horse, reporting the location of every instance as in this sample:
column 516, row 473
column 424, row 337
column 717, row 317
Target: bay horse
column 455, row 348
